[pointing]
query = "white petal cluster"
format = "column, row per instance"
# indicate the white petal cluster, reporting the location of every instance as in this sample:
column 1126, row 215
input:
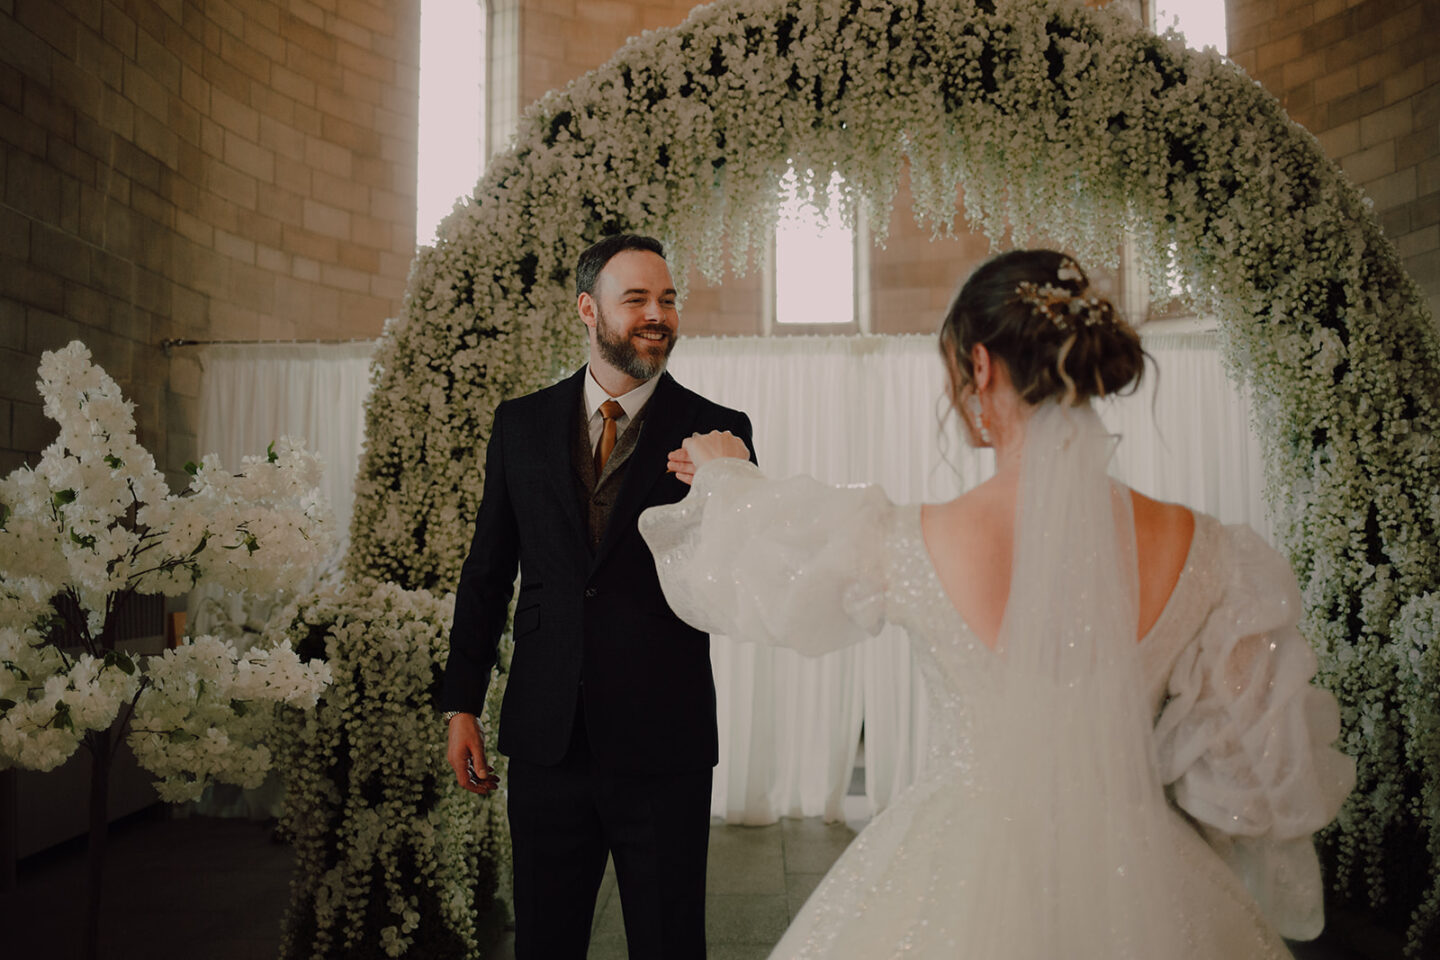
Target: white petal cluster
column 207, row 712
column 48, row 700
column 94, row 522
column 382, row 834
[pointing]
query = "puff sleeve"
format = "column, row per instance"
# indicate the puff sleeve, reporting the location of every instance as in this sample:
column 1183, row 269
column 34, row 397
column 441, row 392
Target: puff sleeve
column 794, row 563
column 1244, row 739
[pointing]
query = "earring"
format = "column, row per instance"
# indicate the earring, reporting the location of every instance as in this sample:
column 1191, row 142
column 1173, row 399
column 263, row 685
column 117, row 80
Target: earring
column 977, row 418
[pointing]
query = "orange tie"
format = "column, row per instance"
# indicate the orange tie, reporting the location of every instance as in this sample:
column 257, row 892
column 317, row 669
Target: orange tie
column 611, row 412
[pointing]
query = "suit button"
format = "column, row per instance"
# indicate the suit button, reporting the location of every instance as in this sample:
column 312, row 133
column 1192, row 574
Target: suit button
column 590, row 593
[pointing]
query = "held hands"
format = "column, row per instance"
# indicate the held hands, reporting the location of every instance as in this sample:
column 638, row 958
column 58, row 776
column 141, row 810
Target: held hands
column 700, row 449
column 466, row 754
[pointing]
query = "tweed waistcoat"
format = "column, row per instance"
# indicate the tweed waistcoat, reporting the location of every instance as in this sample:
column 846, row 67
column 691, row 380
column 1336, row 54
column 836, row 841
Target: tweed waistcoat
column 597, row 494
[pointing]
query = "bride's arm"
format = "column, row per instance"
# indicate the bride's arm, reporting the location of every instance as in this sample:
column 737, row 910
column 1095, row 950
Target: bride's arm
column 791, row 562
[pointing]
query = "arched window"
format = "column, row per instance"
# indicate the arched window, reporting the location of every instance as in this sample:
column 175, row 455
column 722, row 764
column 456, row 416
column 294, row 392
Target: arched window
column 452, row 108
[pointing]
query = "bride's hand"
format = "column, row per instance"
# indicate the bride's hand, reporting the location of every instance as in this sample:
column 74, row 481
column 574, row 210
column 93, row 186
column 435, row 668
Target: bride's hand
column 700, row 449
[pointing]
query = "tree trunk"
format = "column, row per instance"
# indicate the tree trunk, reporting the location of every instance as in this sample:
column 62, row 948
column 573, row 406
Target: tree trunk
column 98, row 742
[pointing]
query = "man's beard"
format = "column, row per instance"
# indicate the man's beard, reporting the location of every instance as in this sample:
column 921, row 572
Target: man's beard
column 618, row 349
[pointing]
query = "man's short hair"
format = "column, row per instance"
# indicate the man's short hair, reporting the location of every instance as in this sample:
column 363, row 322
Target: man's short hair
column 593, row 260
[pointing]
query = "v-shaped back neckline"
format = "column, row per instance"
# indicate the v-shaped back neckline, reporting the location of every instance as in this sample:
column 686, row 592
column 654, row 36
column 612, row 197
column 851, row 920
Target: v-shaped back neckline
column 917, row 530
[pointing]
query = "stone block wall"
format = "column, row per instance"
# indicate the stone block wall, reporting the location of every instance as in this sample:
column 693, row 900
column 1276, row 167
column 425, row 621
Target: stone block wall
column 196, row 169
column 1364, row 77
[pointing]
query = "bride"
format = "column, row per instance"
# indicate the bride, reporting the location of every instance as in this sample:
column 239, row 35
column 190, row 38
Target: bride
column 1127, row 757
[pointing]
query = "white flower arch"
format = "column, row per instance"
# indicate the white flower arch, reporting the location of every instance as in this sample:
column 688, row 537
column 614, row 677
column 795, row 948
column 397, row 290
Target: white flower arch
column 1052, row 118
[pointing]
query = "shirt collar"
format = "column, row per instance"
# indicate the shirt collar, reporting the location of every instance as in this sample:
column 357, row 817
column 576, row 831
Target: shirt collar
column 633, row 402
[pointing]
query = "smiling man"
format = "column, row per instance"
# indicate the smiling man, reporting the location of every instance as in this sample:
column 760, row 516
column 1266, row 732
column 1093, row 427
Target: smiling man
column 609, row 710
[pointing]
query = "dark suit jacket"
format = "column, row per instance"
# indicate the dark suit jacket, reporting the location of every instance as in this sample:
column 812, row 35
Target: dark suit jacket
column 592, row 616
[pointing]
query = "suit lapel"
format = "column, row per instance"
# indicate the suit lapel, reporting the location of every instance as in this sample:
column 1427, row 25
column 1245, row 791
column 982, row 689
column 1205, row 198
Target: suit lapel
column 558, row 439
column 670, row 408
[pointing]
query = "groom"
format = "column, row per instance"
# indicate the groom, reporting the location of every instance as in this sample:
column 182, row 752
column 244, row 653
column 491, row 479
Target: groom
column 609, row 710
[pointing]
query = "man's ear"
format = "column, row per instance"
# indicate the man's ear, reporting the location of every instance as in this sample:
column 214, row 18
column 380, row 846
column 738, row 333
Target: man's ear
column 585, row 303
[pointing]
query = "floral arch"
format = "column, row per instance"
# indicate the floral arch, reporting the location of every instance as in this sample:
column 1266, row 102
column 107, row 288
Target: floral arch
column 1052, row 118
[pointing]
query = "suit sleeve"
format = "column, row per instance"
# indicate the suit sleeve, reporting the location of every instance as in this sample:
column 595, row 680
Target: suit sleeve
column 487, row 583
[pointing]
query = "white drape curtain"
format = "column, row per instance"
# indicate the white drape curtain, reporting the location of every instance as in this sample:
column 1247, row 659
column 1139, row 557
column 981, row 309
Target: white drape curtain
column 866, row 409
column 253, row 394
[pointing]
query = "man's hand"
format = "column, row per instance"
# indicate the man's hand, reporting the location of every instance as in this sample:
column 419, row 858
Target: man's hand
column 701, row 449
column 466, row 753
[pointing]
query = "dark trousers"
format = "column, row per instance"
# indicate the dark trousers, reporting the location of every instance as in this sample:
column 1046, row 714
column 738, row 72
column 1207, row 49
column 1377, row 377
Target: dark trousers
column 565, row 819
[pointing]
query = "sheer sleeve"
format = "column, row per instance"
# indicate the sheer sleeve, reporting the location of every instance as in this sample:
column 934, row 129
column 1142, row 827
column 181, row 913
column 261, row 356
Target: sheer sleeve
column 794, row 563
column 1244, row 739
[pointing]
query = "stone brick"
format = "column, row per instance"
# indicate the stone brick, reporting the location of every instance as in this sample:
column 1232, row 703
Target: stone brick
column 272, row 260
column 1420, row 145
column 310, row 246
column 184, row 121
column 1417, row 242
column 159, row 63
column 31, row 430
column 234, row 115
column 48, row 331
column 373, row 233
column 356, row 257
column 1359, row 104
column 249, row 158
column 272, row 105
column 195, row 90
column 50, row 22
column 1388, row 124
column 59, row 253
column 1425, row 211
column 5, row 415
column 1427, row 176
column 326, row 220
column 260, row 228
column 12, row 324
column 145, row 91
column 245, row 58
column 363, row 140
column 363, row 61
column 351, row 33
column 118, row 29
column 293, row 176
column 347, row 108
column 328, row 157
column 231, row 184
column 377, row 18
column 77, row 88
column 284, row 140
column 264, row 37
column 32, row 187
column 1394, row 190
column 185, row 375
column 1405, row 84
column 154, row 136
column 194, row 229
column 340, row 192
column 1341, row 141
column 293, row 85
column 96, row 56
column 236, row 248
column 388, row 288
column 14, row 234
column 86, row 306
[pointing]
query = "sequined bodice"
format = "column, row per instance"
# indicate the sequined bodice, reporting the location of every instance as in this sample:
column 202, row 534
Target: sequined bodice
column 958, row 667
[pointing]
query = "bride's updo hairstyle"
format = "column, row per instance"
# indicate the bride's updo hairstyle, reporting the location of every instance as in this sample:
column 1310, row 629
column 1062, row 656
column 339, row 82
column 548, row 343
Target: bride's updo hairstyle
column 1034, row 311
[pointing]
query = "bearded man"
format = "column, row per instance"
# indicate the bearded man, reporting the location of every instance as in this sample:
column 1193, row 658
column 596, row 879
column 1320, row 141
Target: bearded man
column 609, row 710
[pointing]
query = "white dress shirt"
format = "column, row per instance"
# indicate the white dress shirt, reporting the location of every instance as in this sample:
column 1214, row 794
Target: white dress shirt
column 633, row 402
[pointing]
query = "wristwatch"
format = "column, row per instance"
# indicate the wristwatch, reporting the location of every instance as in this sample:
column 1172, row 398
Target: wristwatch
column 451, row 715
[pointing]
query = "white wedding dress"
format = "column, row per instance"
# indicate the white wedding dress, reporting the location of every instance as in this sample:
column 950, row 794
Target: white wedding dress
column 1029, row 834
